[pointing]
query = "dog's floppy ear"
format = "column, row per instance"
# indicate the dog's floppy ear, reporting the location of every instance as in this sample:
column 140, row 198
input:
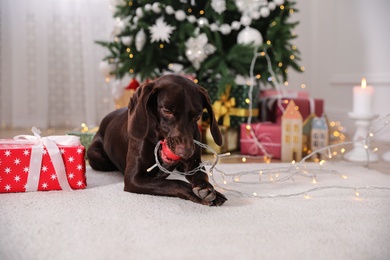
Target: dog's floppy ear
column 138, row 115
column 214, row 129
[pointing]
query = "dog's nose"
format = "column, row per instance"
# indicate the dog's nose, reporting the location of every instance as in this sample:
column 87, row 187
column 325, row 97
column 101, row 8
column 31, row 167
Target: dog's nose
column 183, row 151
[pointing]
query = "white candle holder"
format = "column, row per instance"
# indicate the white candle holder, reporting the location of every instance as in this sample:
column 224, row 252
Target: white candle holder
column 359, row 153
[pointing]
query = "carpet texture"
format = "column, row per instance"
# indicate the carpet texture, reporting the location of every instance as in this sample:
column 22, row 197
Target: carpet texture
column 104, row 222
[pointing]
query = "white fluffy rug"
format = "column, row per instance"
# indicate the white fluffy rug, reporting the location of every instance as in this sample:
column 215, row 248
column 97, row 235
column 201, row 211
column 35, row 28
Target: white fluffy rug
column 104, row 222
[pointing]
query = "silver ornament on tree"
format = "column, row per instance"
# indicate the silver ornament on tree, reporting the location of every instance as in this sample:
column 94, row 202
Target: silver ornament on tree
column 249, row 35
column 148, row 7
column 127, row 40
column 139, row 12
column 219, row 6
column 169, row 10
column 279, row 2
column 225, row 29
column 156, row 7
column 180, row 15
column 264, row 11
column 140, row 39
column 246, row 20
column 161, row 31
column 198, row 49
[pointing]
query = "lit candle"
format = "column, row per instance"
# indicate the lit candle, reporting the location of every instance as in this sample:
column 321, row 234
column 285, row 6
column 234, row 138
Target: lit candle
column 362, row 98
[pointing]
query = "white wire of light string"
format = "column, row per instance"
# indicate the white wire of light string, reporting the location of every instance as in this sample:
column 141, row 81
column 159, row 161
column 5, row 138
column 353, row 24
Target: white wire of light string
column 378, row 125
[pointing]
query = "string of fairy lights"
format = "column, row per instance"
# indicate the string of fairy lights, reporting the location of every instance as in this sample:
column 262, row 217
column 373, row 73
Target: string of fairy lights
column 286, row 172
column 279, row 174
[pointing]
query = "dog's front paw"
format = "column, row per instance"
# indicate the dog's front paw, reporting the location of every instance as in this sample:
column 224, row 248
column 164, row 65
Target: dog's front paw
column 207, row 193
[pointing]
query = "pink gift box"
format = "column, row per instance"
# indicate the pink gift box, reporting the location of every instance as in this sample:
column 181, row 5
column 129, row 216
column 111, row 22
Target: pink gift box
column 270, row 110
column 267, row 134
column 307, row 106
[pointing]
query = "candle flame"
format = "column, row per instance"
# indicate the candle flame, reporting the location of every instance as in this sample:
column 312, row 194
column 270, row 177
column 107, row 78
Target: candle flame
column 364, row 83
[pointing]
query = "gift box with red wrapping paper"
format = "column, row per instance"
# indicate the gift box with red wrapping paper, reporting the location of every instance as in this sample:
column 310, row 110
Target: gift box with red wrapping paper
column 270, row 105
column 42, row 164
column 267, row 142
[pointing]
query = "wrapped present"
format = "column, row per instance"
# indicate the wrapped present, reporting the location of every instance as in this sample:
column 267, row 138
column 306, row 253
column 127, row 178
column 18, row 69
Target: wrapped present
column 266, row 139
column 307, row 106
column 231, row 108
column 272, row 107
column 34, row 163
column 230, row 140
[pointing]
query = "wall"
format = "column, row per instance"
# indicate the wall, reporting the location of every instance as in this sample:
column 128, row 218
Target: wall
column 340, row 42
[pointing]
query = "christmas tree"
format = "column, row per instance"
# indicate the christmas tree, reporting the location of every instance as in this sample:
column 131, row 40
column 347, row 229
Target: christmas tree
column 212, row 40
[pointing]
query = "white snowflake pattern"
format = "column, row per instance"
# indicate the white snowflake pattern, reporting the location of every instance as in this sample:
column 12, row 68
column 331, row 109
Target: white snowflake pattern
column 44, row 168
column 79, row 151
column 25, row 186
column 161, row 31
column 70, row 159
column 17, row 161
column 44, row 152
column 62, row 150
column 53, row 176
column 25, row 169
column 71, row 175
column 7, row 187
column 7, row 153
column 7, row 170
column 17, row 178
column 26, row 152
column 79, row 167
column 80, row 183
column 45, row 185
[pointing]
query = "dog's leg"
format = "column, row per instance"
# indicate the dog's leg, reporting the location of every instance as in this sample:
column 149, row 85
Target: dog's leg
column 98, row 158
column 203, row 193
column 202, row 188
column 148, row 183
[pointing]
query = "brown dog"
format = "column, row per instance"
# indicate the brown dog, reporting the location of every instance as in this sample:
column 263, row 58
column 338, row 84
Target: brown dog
column 166, row 109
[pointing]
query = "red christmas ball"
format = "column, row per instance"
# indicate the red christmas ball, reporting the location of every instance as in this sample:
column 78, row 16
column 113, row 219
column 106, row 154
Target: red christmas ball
column 134, row 84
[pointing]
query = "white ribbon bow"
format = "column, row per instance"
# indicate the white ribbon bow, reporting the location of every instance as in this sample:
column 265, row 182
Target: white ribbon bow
column 50, row 142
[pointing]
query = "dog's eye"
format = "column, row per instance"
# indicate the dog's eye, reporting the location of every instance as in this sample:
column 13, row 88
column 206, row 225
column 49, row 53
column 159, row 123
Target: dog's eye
column 197, row 117
column 167, row 111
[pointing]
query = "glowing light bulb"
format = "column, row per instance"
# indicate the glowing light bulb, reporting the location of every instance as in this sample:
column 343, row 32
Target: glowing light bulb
column 243, row 159
column 357, row 193
column 306, row 196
